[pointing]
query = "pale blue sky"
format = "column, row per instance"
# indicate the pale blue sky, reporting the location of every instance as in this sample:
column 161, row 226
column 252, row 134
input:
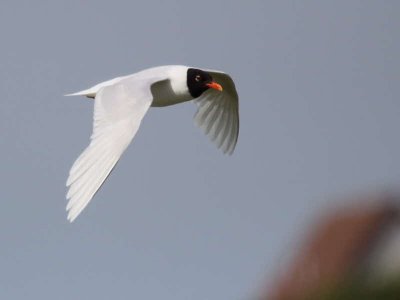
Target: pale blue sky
column 320, row 118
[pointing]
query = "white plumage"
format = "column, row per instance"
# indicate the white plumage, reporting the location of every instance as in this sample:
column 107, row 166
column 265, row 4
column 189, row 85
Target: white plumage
column 120, row 105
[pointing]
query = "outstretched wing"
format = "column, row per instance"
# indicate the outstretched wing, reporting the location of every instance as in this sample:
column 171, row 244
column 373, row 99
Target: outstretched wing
column 118, row 112
column 218, row 113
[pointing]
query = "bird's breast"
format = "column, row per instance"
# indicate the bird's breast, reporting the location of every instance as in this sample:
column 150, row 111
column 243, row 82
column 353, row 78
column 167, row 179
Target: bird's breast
column 164, row 94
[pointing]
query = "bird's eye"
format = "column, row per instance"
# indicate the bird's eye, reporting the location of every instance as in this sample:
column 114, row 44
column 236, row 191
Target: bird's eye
column 197, row 78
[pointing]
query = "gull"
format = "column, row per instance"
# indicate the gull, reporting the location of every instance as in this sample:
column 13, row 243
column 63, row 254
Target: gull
column 120, row 105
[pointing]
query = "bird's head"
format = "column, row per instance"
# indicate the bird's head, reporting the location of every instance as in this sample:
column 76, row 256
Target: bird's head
column 199, row 81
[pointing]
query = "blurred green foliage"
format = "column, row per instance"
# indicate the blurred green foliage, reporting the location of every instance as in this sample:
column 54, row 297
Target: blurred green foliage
column 361, row 290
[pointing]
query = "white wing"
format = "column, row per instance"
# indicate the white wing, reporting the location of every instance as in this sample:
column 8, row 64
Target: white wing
column 218, row 113
column 118, row 111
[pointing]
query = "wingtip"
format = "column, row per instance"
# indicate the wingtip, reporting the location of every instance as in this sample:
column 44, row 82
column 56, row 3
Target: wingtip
column 228, row 152
column 70, row 217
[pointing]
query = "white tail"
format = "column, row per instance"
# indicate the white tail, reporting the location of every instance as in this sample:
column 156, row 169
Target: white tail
column 91, row 92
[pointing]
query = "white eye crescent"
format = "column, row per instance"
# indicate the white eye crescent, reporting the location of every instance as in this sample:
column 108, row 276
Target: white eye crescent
column 197, row 78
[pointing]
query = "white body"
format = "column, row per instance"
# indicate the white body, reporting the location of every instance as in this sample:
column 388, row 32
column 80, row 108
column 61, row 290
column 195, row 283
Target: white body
column 170, row 89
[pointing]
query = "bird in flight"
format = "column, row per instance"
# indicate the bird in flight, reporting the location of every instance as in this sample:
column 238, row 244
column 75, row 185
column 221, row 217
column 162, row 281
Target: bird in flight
column 120, row 105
